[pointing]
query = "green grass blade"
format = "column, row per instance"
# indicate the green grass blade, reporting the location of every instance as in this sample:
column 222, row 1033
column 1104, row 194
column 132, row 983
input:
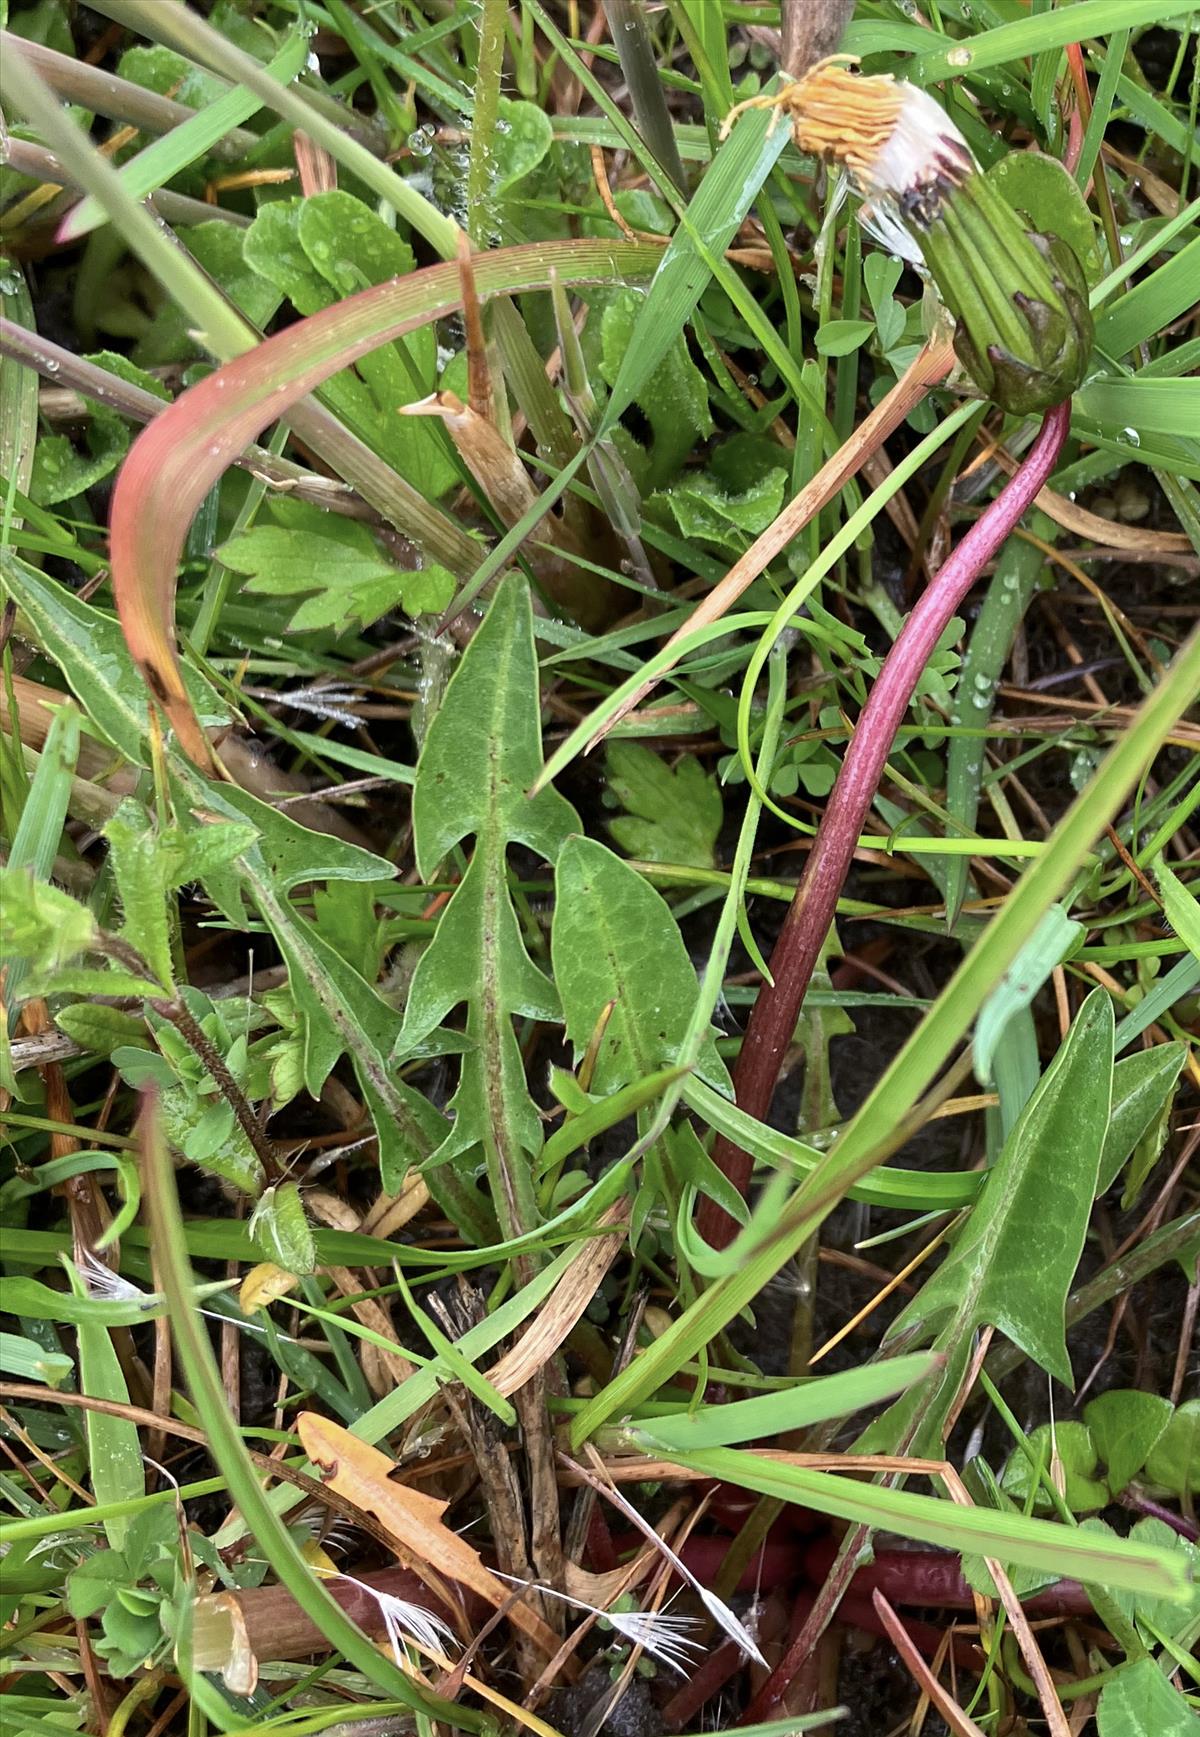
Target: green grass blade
column 228, row 1449
column 831, row 1396
column 1180, row 906
column 114, row 1447
column 1142, row 256
column 193, row 36
column 1034, row 35
column 1012, row 1538
column 901, row 1190
column 1179, row 981
column 1145, row 406
column 37, row 837
column 160, row 161
column 18, row 399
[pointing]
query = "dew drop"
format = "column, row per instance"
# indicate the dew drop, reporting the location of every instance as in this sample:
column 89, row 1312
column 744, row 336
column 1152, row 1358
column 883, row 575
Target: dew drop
column 960, row 57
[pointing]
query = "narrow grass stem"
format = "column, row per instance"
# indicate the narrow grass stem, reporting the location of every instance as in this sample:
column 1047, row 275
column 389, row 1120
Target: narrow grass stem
column 631, row 37
column 773, row 1019
column 118, row 99
column 481, row 216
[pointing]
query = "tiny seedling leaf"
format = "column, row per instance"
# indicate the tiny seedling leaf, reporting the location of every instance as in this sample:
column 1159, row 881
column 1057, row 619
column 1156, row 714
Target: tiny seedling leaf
column 334, row 565
column 1174, row 1461
column 1084, row 1488
column 1138, row 1701
column 280, row 1226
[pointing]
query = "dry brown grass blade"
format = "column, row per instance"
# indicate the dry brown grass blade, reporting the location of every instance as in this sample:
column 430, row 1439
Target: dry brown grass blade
column 481, row 395
column 602, row 1589
column 488, row 456
column 563, row 1308
column 1160, row 193
column 930, row 365
column 501, row 474
column 1056, row 1719
column 1108, row 533
column 947, row 1706
column 391, row 1212
column 384, row 1370
column 317, row 169
column 247, row 765
column 412, row 1519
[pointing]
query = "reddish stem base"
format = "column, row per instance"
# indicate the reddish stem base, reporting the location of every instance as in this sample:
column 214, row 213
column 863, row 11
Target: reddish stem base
column 773, row 1018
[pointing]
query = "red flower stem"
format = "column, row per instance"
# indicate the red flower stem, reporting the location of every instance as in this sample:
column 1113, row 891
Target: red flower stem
column 773, row 1018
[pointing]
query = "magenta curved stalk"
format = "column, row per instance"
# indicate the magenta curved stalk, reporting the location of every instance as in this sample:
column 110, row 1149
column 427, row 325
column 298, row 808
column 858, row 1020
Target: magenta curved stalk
column 773, row 1019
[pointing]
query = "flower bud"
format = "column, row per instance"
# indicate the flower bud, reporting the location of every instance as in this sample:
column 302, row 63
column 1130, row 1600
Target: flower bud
column 1019, row 298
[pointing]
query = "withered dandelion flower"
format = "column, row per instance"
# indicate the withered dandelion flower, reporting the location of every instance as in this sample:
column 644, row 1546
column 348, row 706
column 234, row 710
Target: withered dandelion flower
column 1018, row 297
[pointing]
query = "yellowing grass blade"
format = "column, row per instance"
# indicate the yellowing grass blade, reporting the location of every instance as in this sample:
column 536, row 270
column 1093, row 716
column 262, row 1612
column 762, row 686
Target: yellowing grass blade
column 177, row 459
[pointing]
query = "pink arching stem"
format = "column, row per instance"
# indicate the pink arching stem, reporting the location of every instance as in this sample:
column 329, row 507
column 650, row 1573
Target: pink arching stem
column 773, row 1018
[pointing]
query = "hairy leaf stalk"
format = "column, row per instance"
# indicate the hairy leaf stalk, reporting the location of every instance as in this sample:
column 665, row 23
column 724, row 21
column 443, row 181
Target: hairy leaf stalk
column 773, row 1018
